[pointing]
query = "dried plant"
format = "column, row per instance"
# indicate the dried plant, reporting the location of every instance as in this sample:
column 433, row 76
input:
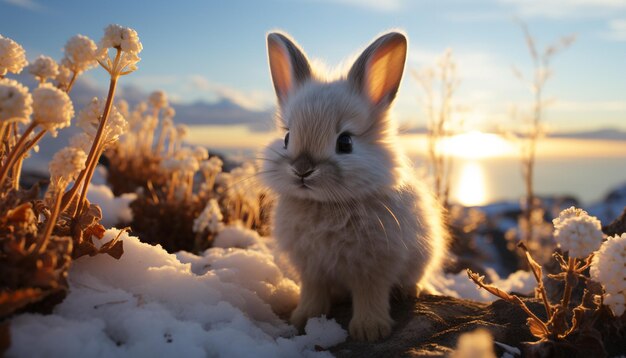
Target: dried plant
column 152, row 156
column 565, row 325
column 533, row 120
column 39, row 238
column 439, row 84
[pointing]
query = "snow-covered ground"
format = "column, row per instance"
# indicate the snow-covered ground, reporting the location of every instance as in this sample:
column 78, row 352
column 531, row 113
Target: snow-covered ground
column 151, row 303
column 230, row 301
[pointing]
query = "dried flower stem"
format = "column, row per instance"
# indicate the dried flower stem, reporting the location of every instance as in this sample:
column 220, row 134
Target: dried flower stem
column 17, row 167
column 72, row 80
column 538, row 323
column 15, row 153
column 570, row 276
column 95, row 151
column 42, row 242
column 538, row 274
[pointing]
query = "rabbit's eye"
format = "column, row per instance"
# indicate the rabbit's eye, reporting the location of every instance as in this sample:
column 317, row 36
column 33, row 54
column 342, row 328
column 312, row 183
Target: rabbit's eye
column 286, row 140
column 344, row 144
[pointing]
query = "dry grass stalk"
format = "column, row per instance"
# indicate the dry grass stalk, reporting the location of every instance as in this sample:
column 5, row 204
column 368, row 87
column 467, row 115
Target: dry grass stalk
column 439, row 84
column 534, row 126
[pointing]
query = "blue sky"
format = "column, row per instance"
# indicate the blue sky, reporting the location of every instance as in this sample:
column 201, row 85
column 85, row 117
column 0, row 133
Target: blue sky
column 205, row 50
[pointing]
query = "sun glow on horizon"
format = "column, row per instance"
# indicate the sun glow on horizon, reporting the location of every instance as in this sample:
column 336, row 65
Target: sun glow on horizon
column 477, row 145
column 470, row 188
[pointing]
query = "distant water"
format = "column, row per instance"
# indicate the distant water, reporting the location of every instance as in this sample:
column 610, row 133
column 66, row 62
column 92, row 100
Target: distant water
column 483, row 181
column 584, row 169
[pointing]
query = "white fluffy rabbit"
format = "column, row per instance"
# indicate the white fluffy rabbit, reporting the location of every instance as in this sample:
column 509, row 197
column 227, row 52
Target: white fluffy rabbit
column 349, row 212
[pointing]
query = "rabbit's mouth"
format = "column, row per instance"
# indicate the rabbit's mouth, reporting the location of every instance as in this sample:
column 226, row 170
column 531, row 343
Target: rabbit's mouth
column 302, row 185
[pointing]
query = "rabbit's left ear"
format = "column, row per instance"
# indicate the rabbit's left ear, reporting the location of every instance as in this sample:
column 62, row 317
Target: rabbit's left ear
column 288, row 64
column 376, row 74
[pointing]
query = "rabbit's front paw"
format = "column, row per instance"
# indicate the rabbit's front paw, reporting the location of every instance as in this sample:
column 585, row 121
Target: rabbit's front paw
column 370, row 327
column 299, row 317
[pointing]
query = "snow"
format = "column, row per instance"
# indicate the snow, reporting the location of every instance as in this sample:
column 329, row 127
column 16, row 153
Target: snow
column 115, row 210
column 459, row 285
column 151, row 303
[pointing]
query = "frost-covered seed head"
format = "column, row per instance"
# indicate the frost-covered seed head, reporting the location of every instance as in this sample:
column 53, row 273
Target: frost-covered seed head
column 82, row 141
column 64, row 76
column 170, row 165
column 200, row 153
column 80, row 53
column 577, row 232
column 608, row 267
column 52, row 108
column 43, row 68
column 124, row 38
column 122, row 107
column 67, row 163
column 89, row 121
column 12, row 56
column 15, row 101
column 211, row 166
column 169, row 113
column 189, row 165
column 182, row 131
column 158, row 99
column 210, row 218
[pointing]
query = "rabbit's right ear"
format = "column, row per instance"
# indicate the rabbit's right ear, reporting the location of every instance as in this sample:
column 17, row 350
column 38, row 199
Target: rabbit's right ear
column 288, row 64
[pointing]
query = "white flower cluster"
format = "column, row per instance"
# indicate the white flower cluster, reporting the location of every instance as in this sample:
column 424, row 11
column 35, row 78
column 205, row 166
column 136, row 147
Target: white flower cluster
column 170, row 165
column 241, row 179
column 80, row 54
column 189, row 165
column 124, row 39
column 43, row 68
column 210, row 219
column 12, row 56
column 182, row 131
column 82, row 141
column 200, row 153
column 577, row 232
column 89, row 120
column 169, row 113
column 64, row 77
column 211, row 167
column 52, row 108
column 67, row 163
column 608, row 267
column 15, row 101
column 158, row 99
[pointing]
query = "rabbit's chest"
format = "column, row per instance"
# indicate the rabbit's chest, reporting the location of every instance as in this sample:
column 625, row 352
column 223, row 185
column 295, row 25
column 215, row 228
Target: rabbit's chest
column 334, row 241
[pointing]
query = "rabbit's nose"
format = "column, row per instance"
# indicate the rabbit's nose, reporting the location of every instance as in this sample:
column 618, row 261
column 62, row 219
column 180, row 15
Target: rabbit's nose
column 304, row 175
column 303, row 166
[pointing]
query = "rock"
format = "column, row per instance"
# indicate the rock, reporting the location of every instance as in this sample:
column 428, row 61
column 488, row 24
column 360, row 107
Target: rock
column 429, row 326
column 617, row 227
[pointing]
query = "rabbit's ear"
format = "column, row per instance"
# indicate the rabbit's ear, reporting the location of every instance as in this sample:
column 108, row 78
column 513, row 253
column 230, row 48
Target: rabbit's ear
column 376, row 74
column 288, row 64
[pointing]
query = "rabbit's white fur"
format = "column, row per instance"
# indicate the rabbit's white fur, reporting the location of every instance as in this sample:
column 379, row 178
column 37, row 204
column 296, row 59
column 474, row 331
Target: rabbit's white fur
column 358, row 223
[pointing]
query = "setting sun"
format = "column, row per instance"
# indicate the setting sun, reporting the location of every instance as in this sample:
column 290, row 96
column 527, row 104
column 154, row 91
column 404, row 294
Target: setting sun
column 477, row 145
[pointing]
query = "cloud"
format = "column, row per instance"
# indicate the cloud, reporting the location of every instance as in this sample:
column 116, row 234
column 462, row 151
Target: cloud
column 252, row 100
column 471, row 65
column 26, row 4
column 375, row 5
column 590, row 106
column 617, row 30
column 564, row 8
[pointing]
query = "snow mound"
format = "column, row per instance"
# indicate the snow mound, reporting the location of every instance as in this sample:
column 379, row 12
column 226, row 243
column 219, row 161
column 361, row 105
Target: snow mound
column 460, row 286
column 151, row 303
column 115, row 210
